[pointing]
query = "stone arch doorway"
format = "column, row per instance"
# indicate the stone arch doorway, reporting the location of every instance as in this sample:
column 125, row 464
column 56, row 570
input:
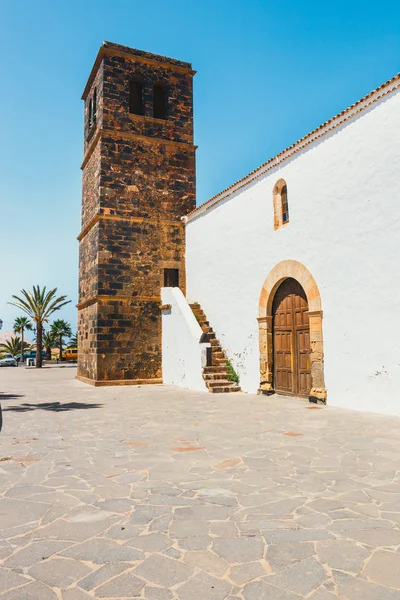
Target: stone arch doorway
column 308, row 299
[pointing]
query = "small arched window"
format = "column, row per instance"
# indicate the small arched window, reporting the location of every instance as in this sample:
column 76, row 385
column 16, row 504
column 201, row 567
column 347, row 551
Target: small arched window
column 281, row 205
column 136, row 106
column 90, row 113
column 159, row 101
column 94, row 113
column 285, row 206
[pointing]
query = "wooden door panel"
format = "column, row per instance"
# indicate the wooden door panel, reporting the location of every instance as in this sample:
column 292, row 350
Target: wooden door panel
column 291, row 336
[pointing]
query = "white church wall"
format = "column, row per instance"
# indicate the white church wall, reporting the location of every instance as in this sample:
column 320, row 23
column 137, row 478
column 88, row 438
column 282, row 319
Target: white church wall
column 344, row 210
column 183, row 356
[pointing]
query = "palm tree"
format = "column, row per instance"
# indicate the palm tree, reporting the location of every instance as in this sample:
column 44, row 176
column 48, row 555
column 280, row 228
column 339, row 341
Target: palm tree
column 39, row 305
column 48, row 343
column 73, row 342
column 20, row 324
column 14, row 346
column 60, row 329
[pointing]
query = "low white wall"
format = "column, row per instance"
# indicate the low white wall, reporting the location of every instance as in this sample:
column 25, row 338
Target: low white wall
column 183, row 356
column 344, row 207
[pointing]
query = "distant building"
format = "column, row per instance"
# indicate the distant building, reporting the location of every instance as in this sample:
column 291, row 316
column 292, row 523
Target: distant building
column 290, row 272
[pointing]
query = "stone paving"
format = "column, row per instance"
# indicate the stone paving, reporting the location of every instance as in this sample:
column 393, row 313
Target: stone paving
column 164, row 494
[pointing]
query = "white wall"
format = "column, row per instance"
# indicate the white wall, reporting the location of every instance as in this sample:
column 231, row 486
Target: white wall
column 344, row 206
column 183, row 356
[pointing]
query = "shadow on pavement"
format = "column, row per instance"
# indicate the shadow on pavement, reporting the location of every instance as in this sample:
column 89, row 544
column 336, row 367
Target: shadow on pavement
column 54, row 406
column 10, row 396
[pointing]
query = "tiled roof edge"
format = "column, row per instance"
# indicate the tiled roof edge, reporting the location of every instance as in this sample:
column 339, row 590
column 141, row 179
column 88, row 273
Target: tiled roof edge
column 334, row 122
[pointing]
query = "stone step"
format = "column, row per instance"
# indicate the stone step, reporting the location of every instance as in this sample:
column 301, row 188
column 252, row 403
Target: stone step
column 218, row 362
column 223, row 382
column 215, row 376
column 207, row 329
column 216, row 369
column 225, row 389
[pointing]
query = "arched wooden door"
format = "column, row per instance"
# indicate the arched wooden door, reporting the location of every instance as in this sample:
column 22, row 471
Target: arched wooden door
column 291, row 334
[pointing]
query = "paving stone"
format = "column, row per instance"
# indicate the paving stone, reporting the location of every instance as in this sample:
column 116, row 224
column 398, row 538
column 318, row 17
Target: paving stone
column 260, row 590
column 9, row 579
column 184, row 529
column 59, row 572
column 154, row 542
column 359, row 525
column 376, row 537
column 207, row 561
column 87, row 514
column 204, row 513
column 223, row 529
column 123, row 530
column 173, row 553
column 15, row 512
column 322, row 594
column 34, row 552
column 326, row 506
column 239, row 550
column 102, row 550
column 241, row 574
column 98, row 577
column 342, row 554
column 204, row 586
column 300, row 578
column 163, row 571
column 354, row 588
column 197, row 542
column 299, row 535
column 75, row 594
column 384, row 568
column 125, row 585
column 316, row 520
column 33, row 591
column 283, row 555
column 161, row 523
column 153, row 593
column 145, row 514
column 77, row 532
column 24, row 491
column 116, row 505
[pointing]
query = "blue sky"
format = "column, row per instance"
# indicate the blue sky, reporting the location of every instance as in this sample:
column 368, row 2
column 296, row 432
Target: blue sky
column 267, row 73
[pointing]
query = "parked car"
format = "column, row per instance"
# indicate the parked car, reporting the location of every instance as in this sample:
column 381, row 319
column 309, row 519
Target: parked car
column 8, row 362
column 30, row 354
column 70, row 354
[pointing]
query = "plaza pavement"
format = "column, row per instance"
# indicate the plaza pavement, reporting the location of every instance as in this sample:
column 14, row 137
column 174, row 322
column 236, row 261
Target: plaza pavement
column 159, row 493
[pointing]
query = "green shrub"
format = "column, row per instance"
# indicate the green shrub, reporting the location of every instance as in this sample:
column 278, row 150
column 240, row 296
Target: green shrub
column 232, row 375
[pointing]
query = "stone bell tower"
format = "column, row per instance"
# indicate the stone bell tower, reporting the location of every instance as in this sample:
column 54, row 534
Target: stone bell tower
column 138, row 181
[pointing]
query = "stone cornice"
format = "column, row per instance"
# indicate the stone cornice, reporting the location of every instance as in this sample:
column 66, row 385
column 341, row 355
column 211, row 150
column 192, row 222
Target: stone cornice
column 99, row 299
column 127, row 135
column 99, row 216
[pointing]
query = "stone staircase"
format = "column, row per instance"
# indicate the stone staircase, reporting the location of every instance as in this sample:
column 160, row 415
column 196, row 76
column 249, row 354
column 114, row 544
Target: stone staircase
column 215, row 374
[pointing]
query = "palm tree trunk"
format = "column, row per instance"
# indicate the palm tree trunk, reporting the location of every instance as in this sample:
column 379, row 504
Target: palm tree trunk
column 39, row 334
column 48, row 353
column 21, row 360
column 60, row 347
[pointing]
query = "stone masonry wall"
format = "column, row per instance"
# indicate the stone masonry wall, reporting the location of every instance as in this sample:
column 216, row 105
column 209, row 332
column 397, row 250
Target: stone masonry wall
column 138, row 181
